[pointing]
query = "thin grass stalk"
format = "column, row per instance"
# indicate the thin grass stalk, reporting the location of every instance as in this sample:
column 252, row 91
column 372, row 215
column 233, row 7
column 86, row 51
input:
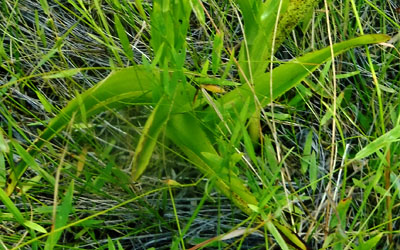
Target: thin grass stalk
column 333, row 138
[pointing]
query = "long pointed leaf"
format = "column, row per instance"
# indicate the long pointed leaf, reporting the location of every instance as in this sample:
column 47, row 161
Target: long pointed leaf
column 148, row 139
column 382, row 141
column 121, row 88
column 292, row 73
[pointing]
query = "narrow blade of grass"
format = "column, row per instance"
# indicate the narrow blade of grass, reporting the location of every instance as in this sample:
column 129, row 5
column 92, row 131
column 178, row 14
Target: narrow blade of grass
column 62, row 216
column 382, row 141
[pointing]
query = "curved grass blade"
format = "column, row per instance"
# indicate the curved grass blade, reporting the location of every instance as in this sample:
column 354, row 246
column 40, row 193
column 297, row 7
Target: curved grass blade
column 18, row 215
column 30, row 161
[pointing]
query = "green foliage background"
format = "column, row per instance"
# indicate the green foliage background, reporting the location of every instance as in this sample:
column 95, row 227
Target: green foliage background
column 77, row 138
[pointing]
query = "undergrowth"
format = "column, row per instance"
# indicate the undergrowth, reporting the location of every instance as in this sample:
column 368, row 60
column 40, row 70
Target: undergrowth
column 346, row 199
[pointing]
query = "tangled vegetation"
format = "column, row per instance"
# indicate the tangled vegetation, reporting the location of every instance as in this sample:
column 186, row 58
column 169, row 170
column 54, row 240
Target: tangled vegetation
column 195, row 124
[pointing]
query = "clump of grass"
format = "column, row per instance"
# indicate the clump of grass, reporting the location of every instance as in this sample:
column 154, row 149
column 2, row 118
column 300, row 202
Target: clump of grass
column 336, row 199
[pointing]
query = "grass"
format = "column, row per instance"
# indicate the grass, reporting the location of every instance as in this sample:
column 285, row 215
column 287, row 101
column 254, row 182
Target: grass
column 318, row 159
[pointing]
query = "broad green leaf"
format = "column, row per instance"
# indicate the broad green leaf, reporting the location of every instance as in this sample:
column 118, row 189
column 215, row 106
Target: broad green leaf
column 341, row 211
column 259, row 22
column 154, row 124
column 384, row 140
column 288, row 75
column 303, row 66
column 34, row 226
column 255, row 129
column 215, row 81
column 121, row 88
column 371, row 243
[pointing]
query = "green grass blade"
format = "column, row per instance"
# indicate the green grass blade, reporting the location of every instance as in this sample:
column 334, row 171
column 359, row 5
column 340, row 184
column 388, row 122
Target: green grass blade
column 384, row 140
column 62, row 217
column 198, row 11
column 63, row 73
column 11, row 207
column 305, row 160
column 18, row 215
column 216, row 52
column 278, row 237
column 123, row 38
column 30, row 161
column 110, row 243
